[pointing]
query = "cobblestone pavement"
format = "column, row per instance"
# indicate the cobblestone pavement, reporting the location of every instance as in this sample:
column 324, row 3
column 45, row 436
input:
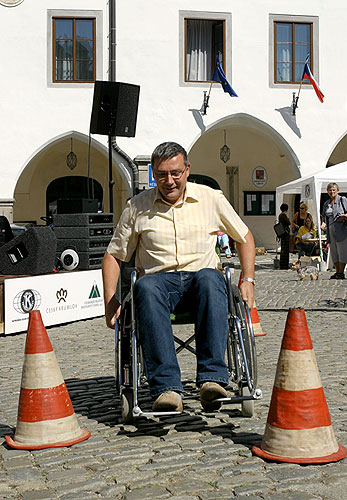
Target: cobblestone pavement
column 195, row 455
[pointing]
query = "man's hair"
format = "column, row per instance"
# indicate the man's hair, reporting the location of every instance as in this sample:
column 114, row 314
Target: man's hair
column 167, row 150
column 284, row 207
column 332, row 184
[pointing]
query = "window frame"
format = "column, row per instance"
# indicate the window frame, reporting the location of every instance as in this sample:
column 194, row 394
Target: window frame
column 226, row 17
column 293, row 43
column 74, row 42
column 186, row 19
column 97, row 49
column 259, row 195
column 314, row 51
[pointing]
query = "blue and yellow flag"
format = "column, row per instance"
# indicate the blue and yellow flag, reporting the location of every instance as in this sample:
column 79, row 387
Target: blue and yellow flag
column 219, row 76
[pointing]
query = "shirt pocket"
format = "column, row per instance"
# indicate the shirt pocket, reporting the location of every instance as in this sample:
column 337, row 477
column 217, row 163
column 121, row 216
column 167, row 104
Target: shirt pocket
column 199, row 239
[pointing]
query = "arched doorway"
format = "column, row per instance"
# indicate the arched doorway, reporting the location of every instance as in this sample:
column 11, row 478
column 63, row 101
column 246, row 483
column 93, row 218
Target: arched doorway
column 49, row 164
column 72, row 187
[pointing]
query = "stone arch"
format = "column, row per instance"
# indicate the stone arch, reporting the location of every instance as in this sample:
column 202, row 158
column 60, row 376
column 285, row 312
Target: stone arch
column 49, row 163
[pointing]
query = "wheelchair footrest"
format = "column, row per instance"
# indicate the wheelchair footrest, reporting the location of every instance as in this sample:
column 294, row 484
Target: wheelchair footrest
column 238, row 399
column 137, row 412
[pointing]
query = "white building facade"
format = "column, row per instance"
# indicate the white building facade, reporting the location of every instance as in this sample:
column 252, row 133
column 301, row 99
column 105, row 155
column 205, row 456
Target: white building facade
column 54, row 51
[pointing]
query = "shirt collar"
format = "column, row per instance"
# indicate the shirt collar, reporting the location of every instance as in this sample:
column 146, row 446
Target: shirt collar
column 190, row 194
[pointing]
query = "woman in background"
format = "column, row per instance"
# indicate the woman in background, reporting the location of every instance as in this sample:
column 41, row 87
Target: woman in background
column 299, row 218
column 334, row 214
column 283, row 219
column 306, row 232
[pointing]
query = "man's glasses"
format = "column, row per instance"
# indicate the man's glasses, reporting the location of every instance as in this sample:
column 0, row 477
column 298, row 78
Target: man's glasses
column 175, row 174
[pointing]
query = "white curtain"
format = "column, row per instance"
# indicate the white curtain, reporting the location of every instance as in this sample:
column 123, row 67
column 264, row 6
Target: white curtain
column 199, row 43
column 284, row 69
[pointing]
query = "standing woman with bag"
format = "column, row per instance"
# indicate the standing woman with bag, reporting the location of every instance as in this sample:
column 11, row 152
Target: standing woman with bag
column 334, row 214
column 283, row 219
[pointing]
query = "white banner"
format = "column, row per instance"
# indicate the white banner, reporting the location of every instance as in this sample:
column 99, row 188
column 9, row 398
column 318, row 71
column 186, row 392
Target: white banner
column 61, row 298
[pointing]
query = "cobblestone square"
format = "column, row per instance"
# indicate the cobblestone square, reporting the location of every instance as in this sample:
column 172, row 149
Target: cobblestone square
column 195, row 455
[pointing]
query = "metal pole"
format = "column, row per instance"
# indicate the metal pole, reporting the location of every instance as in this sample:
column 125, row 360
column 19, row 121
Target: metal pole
column 110, row 180
column 111, row 78
column 112, row 41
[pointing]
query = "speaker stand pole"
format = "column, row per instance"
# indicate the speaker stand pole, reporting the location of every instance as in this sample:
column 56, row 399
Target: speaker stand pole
column 110, row 180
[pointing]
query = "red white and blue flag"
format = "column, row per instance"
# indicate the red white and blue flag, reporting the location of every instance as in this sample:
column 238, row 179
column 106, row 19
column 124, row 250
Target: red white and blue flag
column 307, row 74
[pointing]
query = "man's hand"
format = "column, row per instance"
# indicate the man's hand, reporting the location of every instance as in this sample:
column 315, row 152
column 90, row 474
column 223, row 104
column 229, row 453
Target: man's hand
column 112, row 312
column 247, row 293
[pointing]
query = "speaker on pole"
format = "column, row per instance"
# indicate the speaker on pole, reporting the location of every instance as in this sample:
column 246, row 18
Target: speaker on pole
column 114, row 111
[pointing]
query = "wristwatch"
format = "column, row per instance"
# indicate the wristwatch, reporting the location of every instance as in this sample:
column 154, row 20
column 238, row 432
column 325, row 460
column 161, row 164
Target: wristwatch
column 251, row 280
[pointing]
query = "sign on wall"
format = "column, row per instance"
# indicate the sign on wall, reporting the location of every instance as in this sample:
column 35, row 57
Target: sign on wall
column 61, row 298
column 259, row 176
column 151, row 180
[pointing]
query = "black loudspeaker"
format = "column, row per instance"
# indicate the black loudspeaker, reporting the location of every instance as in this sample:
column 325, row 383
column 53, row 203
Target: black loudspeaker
column 82, row 239
column 77, row 206
column 5, row 230
column 70, row 220
column 32, row 253
column 114, row 109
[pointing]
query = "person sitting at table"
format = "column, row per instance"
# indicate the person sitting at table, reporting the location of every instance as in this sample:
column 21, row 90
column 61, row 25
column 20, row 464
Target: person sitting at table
column 306, row 233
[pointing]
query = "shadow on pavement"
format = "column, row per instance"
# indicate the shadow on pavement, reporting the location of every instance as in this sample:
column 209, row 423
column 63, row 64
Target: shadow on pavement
column 97, row 399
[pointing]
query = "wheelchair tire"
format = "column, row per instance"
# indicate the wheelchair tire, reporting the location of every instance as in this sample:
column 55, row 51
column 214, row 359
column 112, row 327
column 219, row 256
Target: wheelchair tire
column 247, row 407
column 238, row 309
column 127, row 402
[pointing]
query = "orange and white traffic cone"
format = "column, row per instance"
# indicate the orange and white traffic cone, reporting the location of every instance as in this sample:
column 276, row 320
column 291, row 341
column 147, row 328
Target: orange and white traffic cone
column 257, row 329
column 46, row 418
column 298, row 428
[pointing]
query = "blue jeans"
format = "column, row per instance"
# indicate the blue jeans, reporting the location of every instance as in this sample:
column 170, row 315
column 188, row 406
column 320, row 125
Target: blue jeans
column 305, row 249
column 156, row 296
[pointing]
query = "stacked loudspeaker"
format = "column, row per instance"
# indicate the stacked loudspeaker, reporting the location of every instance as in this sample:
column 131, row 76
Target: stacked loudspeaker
column 82, row 239
column 32, row 252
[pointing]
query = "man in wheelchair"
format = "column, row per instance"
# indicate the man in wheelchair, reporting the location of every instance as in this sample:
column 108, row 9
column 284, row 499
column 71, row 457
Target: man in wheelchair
column 173, row 229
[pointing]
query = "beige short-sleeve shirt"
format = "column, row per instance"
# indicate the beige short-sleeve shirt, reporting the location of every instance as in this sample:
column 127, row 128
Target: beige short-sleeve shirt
column 180, row 237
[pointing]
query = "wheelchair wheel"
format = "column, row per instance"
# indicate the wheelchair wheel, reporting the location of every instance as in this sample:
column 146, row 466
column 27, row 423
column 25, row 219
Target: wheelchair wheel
column 247, row 407
column 238, row 314
column 127, row 402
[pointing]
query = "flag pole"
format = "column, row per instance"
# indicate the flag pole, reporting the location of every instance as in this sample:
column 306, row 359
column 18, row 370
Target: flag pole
column 206, row 99
column 296, row 98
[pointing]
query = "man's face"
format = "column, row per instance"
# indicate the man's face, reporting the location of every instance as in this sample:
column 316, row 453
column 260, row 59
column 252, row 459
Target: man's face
column 171, row 176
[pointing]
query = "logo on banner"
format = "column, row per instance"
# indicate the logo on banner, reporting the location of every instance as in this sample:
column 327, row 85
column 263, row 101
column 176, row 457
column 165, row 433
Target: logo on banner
column 94, row 293
column 307, row 191
column 61, row 295
column 26, row 301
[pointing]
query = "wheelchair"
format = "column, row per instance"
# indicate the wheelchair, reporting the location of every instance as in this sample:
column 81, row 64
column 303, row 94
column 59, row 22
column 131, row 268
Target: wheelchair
column 241, row 358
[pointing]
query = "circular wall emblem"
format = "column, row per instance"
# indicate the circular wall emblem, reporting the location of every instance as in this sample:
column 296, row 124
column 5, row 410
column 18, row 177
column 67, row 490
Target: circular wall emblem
column 10, row 3
column 26, row 301
column 259, row 176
